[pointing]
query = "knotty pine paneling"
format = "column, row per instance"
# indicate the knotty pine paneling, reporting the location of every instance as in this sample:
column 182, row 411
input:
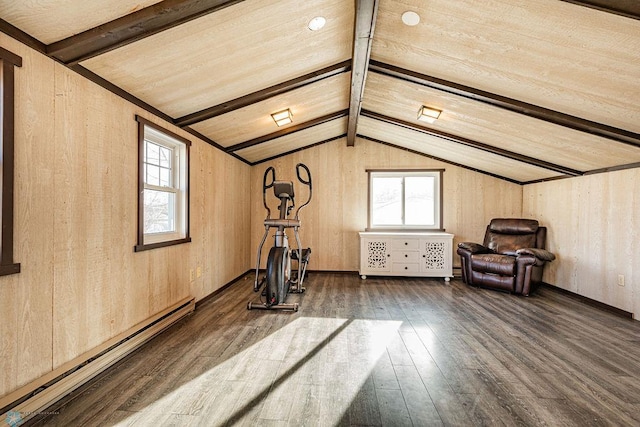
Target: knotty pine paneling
column 249, row 46
column 575, row 60
column 594, row 230
column 25, row 343
column 41, row 20
column 76, row 217
column 338, row 210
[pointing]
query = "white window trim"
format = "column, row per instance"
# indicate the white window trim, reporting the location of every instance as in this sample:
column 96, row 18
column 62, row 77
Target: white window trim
column 438, row 205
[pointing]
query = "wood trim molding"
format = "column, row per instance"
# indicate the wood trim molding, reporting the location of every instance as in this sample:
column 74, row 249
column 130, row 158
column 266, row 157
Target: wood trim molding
column 289, row 130
column 8, row 61
column 298, row 149
column 626, row 8
column 589, row 301
column 366, row 12
column 90, row 75
column 590, row 172
column 449, row 162
column 513, row 105
column 261, row 95
column 471, row 143
column 22, row 37
column 132, row 27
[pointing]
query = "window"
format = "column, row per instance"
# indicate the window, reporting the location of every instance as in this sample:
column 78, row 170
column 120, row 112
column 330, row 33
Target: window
column 405, row 199
column 8, row 61
column 163, row 202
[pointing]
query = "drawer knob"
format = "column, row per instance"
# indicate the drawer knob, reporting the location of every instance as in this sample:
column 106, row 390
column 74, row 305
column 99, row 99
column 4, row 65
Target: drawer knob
column 424, row 256
column 406, row 256
column 388, row 255
column 406, row 243
column 406, row 268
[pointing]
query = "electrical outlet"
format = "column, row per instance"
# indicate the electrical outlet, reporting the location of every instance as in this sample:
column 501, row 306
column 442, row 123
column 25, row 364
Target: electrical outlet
column 199, row 271
column 620, row 279
column 191, row 275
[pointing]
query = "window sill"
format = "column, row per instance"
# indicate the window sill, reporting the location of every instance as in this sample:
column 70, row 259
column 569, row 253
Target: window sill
column 149, row 246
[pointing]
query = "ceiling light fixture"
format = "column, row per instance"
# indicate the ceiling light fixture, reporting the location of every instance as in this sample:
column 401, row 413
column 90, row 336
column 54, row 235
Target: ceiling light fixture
column 428, row 114
column 410, row 18
column 317, row 23
column 283, row 117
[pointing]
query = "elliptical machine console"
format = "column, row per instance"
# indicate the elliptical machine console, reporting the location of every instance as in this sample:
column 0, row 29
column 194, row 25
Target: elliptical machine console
column 280, row 279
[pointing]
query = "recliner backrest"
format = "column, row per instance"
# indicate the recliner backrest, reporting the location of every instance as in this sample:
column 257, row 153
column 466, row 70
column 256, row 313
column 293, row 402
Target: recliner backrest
column 507, row 235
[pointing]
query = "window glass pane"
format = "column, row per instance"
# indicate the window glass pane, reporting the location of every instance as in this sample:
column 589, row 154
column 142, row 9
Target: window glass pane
column 419, row 200
column 165, row 157
column 159, row 212
column 152, row 176
column 165, row 177
column 387, row 201
column 152, row 153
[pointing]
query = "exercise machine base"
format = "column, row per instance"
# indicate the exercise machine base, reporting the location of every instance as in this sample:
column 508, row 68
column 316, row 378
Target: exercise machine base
column 263, row 306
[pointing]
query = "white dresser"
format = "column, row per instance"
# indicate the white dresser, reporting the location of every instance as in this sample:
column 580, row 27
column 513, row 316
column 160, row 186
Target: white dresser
column 427, row 254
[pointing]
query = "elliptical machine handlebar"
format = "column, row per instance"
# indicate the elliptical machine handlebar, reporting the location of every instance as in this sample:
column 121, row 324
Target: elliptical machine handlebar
column 265, row 187
column 306, row 169
column 306, row 182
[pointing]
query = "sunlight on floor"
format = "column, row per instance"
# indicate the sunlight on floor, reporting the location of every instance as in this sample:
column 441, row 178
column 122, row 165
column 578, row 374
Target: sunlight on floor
column 287, row 373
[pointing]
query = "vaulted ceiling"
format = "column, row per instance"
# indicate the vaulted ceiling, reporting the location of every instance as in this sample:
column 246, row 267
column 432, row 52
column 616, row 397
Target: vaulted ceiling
column 529, row 90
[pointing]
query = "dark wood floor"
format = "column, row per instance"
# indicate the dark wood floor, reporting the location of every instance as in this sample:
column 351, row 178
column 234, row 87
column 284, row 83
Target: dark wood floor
column 387, row 352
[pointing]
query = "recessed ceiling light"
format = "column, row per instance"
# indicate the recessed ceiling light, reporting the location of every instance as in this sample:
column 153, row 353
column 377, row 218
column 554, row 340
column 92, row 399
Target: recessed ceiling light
column 317, row 23
column 410, row 18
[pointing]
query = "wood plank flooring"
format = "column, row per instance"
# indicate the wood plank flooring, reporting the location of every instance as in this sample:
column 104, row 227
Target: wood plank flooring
column 378, row 352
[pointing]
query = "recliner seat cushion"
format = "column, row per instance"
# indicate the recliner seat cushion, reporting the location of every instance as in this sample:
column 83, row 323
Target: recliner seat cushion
column 503, row 265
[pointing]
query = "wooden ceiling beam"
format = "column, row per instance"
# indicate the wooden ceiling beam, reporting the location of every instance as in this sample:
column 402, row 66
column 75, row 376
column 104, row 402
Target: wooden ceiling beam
column 287, row 131
column 626, row 8
column 471, row 143
column 252, row 98
column 366, row 12
column 420, row 153
column 286, row 153
column 513, row 105
column 132, row 27
column 22, row 37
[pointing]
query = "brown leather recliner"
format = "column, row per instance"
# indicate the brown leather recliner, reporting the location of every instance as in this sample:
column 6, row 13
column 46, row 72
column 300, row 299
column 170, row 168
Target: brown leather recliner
column 511, row 257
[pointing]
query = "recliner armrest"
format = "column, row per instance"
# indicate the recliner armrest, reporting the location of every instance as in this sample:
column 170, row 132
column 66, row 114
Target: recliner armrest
column 474, row 248
column 541, row 254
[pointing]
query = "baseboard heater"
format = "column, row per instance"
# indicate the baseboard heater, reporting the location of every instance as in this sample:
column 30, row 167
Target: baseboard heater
column 33, row 398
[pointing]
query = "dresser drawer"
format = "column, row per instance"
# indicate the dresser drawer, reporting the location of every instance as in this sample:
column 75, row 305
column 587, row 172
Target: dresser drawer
column 405, row 256
column 406, row 243
column 405, row 267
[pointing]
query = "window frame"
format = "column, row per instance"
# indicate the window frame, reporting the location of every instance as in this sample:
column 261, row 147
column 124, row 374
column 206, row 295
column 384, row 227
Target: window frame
column 438, row 198
column 147, row 241
column 8, row 61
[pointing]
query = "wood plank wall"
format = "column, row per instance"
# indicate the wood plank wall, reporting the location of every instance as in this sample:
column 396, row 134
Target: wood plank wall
column 338, row 211
column 594, row 229
column 76, row 217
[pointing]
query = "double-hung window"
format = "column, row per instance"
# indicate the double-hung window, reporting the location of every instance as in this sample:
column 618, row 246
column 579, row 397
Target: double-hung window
column 405, row 199
column 163, row 217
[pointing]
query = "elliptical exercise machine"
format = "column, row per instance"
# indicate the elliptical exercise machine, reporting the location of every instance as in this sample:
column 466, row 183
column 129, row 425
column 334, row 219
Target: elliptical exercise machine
column 279, row 279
